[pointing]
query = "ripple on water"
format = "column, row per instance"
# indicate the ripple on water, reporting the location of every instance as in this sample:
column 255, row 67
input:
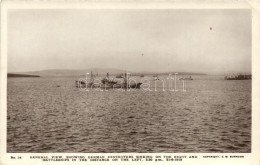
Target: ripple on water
column 212, row 116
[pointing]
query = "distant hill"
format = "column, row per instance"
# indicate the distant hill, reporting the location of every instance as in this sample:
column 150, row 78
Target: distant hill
column 61, row 72
column 99, row 71
column 21, row 75
column 166, row 73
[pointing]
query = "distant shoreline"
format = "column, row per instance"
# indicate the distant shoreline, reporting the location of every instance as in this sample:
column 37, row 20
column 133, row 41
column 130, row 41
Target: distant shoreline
column 99, row 71
column 21, row 75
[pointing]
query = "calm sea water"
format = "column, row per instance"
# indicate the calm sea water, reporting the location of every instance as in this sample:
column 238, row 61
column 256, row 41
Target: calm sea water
column 52, row 115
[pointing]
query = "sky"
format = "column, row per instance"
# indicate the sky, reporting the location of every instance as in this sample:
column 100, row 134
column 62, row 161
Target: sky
column 155, row 40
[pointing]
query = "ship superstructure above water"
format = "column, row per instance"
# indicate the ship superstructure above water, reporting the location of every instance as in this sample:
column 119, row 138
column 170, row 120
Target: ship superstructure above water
column 186, row 78
column 239, row 77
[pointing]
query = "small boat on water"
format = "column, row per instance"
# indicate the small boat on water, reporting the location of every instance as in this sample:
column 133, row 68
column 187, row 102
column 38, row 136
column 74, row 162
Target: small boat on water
column 239, row 77
column 186, row 78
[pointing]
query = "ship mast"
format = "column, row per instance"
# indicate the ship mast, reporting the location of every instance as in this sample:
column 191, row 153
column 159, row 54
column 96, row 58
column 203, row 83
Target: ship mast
column 91, row 77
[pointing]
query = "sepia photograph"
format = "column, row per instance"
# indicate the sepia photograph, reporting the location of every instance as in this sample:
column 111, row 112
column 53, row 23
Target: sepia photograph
column 129, row 81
